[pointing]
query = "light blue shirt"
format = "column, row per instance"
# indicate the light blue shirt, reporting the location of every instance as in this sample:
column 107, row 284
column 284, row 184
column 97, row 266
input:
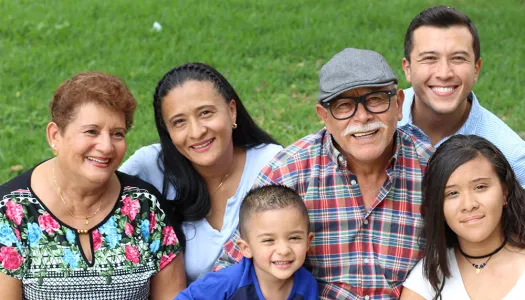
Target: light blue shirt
column 203, row 242
column 480, row 122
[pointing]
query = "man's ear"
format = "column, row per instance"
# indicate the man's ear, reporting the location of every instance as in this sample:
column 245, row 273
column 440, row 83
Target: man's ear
column 477, row 68
column 245, row 248
column 400, row 100
column 406, row 68
column 322, row 112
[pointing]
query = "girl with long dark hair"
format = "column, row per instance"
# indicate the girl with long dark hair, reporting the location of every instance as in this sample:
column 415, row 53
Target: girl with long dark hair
column 473, row 209
column 209, row 155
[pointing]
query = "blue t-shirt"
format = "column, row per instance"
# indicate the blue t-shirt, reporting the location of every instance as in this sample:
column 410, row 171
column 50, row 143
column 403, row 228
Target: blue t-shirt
column 239, row 282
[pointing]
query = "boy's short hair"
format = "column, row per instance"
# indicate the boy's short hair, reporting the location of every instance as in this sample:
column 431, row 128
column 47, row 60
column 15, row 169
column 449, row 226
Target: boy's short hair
column 269, row 197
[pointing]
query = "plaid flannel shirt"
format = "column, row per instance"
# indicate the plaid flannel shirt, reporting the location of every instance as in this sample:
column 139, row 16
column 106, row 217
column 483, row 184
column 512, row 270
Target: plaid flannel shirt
column 355, row 254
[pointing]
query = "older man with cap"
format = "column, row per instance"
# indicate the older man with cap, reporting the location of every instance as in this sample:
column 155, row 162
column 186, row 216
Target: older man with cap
column 360, row 178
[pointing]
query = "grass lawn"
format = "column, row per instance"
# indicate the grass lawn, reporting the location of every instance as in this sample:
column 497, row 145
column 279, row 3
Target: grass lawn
column 270, row 50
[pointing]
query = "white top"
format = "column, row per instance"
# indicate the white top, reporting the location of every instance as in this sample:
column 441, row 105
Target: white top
column 454, row 287
column 203, row 242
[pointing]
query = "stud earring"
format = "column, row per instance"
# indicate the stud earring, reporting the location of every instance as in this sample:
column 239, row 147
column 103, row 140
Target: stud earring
column 505, row 204
column 234, row 125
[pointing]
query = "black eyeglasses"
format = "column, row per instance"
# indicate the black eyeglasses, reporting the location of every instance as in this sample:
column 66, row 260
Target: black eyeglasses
column 374, row 102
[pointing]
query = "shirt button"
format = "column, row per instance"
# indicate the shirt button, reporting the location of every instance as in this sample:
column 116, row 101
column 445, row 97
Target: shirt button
column 353, row 182
column 365, row 222
column 365, row 260
column 367, row 297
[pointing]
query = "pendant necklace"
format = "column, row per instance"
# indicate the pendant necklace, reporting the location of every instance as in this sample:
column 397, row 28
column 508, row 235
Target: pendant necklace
column 481, row 266
column 85, row 218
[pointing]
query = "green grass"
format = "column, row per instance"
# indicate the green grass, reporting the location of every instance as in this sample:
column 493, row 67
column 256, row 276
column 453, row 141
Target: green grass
column 270, row 50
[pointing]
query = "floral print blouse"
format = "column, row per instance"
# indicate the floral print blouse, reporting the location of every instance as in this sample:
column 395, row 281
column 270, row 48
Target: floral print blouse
column 130, row 245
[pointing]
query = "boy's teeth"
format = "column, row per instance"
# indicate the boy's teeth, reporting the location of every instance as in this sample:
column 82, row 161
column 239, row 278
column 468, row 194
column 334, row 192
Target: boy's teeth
column 203, row 145
column 98, row 160
column 443, row 89
column 281, row 262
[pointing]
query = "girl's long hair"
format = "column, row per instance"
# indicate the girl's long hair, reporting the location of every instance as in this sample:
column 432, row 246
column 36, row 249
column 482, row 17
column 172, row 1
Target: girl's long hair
column 453, row 153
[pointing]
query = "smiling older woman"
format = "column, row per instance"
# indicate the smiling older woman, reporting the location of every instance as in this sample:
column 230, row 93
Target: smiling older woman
column 73, row 226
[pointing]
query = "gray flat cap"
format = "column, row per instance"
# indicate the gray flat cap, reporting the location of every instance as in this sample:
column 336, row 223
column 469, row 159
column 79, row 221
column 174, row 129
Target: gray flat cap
column 353, row 68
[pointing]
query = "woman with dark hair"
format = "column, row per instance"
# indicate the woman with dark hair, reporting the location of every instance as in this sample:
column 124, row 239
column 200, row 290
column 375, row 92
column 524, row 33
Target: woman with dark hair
column 473, row 209
column 209, row 155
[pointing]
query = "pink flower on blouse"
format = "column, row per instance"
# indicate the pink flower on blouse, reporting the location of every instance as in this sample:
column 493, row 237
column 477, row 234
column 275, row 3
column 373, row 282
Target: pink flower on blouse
column 169, row 236
column 130, row 208
column 128, row 229
column 97, row 239
column 132, row 254
column 10, row 258
column 14, row 212
column 17, row 233
column 165, row 260
column 48, row 223
column 152, row 222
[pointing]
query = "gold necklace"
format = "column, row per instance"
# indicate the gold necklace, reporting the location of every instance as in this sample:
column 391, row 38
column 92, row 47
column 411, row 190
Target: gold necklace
column 86, row 218
column 222, row 182
column 218, row 187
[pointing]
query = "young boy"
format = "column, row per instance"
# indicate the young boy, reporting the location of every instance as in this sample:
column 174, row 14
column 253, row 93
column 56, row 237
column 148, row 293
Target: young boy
column 275, row 236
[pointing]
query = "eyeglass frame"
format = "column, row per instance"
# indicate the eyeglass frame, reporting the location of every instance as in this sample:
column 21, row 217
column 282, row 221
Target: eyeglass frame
column 362, row 99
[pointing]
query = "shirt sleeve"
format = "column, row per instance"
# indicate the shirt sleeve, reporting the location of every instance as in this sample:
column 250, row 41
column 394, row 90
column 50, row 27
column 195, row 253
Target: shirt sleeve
column 518, row 165
column 267, row 177
column 137, row 163
column 214, row 285
column 164, row 243
column 230, row 253
column 417, row 282
column 144, row 164
column 309, row 289
column 12, row 251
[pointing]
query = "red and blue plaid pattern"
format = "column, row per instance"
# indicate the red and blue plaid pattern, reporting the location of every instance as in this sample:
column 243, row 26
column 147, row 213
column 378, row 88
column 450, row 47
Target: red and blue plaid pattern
column 355, row 253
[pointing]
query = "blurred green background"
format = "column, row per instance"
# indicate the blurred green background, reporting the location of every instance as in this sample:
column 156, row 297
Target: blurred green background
column 271, row 52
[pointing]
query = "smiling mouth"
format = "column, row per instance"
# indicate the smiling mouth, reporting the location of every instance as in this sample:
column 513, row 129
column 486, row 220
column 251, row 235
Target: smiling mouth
column 96, row 160
column 472, row 219
column 202, row 145
column 282, row 262
column 440, row 89
column 365, row 134
column 443, row 90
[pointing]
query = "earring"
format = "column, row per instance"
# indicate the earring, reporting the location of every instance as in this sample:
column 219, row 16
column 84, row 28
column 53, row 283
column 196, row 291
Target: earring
column 505, row 204
column 54, row 150
column 234, row 125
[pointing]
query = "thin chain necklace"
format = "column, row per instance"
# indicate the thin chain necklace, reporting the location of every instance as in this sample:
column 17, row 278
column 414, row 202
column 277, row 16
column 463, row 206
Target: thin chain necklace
column 218, row 187
column 222, row 182
column 481, row 266
column 86, row 218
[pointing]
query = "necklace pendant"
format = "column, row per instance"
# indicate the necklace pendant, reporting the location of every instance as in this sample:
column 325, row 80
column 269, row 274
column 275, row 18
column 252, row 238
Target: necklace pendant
column 478, row 270
column 86, row 221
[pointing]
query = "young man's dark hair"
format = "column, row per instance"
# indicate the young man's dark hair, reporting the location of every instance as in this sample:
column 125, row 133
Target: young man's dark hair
column 442, row 17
